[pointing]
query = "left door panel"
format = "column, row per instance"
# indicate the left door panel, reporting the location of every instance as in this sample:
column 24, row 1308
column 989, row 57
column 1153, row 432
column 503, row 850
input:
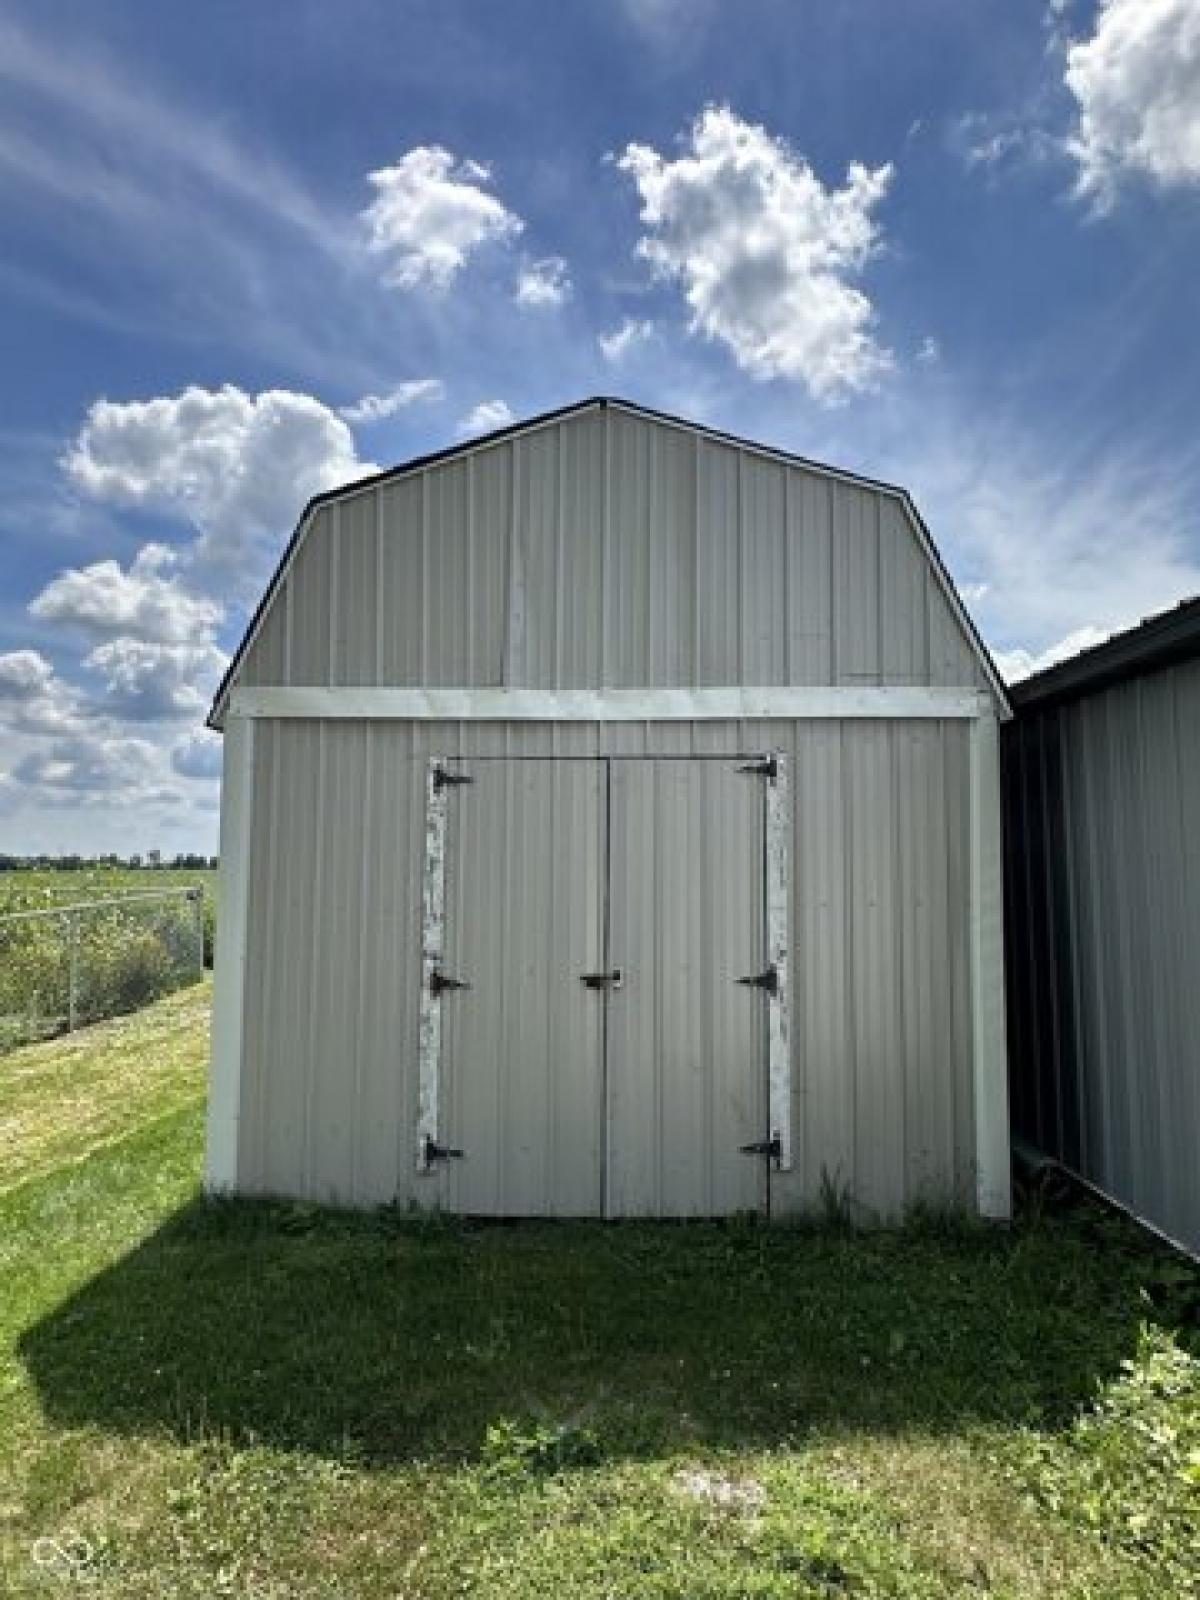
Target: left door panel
column 522, row 1048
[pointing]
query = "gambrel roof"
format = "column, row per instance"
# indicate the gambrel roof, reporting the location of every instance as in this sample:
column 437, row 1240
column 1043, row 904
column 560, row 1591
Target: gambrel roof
column 922, row 648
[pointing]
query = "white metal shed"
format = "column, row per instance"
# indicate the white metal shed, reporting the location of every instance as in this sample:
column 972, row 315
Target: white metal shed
column 611, row 827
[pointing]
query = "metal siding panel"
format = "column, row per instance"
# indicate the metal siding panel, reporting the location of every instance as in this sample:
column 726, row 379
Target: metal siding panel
column 957, row 790
column 401, row 514
column 627, row 578
column 389, row 970
column 809, row 587
column 450, row 600
column 903, row 578
column 537, row 538
column 764, row 582
column 288, row 965
column 354, row 657
column 856, row 585
column 718, row 608
column 266, row 664
column 261, row 918
column 923, row 948
column 879, row 1131
column 822, row 971
column 312, row 605
column 334, row 1020
column 952, row 660
column 687, row 1061
column 581, row 578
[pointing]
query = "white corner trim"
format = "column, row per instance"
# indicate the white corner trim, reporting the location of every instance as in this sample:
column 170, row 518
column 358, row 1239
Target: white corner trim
column 988, row 1037
column 433, row 934
column 229, row 985
column 609, row 705
column 779, row 1056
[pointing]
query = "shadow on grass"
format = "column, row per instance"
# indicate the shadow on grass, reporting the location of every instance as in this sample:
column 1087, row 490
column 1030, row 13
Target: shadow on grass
column 384, row 1340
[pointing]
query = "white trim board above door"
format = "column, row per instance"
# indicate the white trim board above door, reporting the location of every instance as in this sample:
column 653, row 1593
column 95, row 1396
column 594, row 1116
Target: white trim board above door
column 610, row 705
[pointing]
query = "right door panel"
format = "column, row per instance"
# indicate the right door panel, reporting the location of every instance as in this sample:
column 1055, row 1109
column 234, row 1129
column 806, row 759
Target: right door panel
column 686, row 1042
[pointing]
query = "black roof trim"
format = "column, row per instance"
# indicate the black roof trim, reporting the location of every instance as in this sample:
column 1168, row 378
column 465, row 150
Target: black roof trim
column 543, row 419
column 1159, row 641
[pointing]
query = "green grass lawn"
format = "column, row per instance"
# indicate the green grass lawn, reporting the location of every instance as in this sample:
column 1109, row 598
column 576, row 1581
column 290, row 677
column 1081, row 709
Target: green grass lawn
column 269, row 1401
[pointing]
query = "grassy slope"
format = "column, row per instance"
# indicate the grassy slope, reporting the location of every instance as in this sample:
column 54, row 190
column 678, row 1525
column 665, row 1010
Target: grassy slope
column 265, row 1401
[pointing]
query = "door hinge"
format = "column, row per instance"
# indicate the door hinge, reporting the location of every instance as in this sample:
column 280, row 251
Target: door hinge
column 432, row 1151
column 444, row 779
column 768, row 768
column 767, row 979
column 603, row 980
column 772, row 1147
column 440, row 981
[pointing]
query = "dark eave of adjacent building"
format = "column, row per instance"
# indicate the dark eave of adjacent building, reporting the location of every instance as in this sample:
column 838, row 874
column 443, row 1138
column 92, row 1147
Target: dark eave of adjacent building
column 1160, row 641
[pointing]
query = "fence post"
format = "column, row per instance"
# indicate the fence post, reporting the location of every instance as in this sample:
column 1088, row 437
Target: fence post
column 196, row 896
column 73, row 971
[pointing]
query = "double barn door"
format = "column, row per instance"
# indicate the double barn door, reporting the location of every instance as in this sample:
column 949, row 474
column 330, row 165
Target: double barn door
column 590, row 1043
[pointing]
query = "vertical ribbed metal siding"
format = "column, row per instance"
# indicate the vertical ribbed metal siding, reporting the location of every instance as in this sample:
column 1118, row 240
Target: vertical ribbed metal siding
column 881, row 1038
column 608, row 550
column 1103, row 917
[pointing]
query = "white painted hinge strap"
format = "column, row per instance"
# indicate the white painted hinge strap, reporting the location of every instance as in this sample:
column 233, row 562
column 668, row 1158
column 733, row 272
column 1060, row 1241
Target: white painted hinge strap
column 779, row 1058
column 433, row 934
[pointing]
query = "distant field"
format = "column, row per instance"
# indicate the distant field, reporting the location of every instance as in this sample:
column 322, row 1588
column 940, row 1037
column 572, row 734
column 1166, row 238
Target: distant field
column 32, row 889
column 138, row 938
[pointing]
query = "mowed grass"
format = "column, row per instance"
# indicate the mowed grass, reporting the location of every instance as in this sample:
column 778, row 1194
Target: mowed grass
column 253, row 1400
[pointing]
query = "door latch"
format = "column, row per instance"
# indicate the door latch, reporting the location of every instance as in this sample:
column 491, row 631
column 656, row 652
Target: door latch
column 443, row 778
column 767, row 979
column 767, row 768
column 432, row 1151
column 603, row 980
column 440, row 981
column 772, row 1147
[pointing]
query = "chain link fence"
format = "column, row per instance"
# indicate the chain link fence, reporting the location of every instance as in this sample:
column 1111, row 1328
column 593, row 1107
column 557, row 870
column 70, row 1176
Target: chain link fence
column 64, row 967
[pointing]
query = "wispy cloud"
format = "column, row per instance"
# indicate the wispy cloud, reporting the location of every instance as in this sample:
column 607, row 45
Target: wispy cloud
column 378, row 407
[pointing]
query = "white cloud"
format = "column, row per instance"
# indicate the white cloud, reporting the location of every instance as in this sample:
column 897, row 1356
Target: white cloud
column 1062, row 545
column 1137, row 84
column 1017, row 664
column 929, row 352
column 543, row 283
column 146, row 682
column 198, row 755
column 33, row 698
column 377, row 407
column 633, row 331
column 85, row 767
column 764, row 251
column 430, row 213
column 238, row 467
column 486, row 417
column 145, row 600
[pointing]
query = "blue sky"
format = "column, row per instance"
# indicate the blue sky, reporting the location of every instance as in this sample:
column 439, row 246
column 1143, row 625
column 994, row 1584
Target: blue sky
column 249, row 251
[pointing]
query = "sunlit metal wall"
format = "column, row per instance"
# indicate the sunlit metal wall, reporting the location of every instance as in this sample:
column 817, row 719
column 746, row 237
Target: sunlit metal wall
column 882, row 1071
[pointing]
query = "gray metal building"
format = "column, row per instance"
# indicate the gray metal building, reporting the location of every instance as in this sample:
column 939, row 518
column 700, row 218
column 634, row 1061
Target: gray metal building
column 604, row 797
column 1102, row 800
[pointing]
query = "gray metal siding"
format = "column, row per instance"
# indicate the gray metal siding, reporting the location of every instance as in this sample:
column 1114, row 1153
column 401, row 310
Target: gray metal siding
column 881, row 1036
column 1103, row 913
column 609, row 550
